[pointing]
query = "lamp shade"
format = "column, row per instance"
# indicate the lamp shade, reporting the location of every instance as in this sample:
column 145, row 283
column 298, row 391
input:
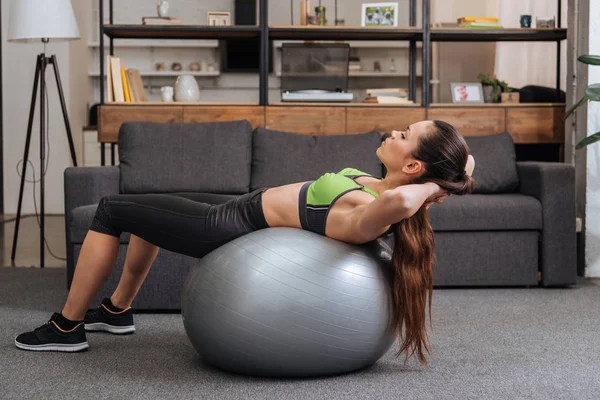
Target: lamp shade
column 39, row 19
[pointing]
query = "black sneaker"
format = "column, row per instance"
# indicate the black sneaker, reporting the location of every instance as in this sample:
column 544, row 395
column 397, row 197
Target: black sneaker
column 49, row 337
column 103, row 320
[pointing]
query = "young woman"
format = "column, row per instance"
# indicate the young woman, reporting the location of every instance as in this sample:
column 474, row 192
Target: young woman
column 425, row 163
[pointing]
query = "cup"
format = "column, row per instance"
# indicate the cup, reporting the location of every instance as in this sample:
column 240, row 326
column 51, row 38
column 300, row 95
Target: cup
column 525, row 21
column 166, row 94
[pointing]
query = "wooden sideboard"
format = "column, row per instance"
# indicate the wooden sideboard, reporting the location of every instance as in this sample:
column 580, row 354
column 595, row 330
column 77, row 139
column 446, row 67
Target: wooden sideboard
column 527, row 123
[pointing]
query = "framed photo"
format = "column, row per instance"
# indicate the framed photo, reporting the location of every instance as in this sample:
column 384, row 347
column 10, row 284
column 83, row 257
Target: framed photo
column 379, row 14
column 470, row 92
column 214, row 18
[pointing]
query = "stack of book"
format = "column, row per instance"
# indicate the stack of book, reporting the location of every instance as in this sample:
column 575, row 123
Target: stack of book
column 479, row 22
column 160, row 21
column 122, row 84
column 387, row 96
column 354, row 64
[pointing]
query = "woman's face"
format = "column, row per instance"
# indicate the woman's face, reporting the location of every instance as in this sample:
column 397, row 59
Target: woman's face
column 395, row 152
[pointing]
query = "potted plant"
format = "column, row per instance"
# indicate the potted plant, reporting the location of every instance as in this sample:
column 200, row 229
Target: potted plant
column 592, row 93
column 491, row 88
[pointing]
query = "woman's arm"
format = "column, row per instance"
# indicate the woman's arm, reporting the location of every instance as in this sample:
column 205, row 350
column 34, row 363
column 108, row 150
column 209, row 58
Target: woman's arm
column 391, row 206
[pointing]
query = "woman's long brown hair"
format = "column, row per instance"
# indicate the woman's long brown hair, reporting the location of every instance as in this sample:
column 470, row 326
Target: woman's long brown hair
column 444, row 153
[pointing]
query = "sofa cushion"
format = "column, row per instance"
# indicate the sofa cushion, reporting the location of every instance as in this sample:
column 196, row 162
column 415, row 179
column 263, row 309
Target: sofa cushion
column 176, row 157
column 81, row 217
column 279, row 158
column 495, row 163
column 484, row 212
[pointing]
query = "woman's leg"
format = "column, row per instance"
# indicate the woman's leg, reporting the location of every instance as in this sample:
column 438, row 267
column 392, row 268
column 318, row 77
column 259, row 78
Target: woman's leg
column 95, row 264
column 140, row 256
column 155, row 221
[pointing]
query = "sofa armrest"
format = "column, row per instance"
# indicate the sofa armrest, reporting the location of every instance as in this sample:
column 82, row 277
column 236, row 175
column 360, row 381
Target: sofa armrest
column 85, row 186
column 553, row 184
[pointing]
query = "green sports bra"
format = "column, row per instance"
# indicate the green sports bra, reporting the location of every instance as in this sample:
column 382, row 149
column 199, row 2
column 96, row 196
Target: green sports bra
column 317, row 197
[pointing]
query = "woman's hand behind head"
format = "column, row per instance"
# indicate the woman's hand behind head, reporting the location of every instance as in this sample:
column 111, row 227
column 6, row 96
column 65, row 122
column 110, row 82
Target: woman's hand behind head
column 470, row 167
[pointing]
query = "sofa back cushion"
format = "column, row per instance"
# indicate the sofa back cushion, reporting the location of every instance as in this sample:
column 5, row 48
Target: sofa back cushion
column 495, row 163
column 210, row 157
column 279, row 158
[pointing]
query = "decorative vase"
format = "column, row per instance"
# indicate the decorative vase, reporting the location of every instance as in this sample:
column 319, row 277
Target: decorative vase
column 488, row 94
column 186, row 88
column 163, row 8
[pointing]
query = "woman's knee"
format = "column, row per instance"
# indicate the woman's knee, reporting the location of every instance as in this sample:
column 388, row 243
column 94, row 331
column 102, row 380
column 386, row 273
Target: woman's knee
column 102, row 221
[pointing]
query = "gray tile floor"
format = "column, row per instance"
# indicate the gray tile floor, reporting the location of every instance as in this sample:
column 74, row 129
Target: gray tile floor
column 28, row 245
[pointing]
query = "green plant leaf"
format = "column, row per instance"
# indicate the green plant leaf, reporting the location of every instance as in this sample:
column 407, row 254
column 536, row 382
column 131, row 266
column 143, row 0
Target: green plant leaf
column 589, row 59
column 588, row 140
column 581, row 102
column 593, row 92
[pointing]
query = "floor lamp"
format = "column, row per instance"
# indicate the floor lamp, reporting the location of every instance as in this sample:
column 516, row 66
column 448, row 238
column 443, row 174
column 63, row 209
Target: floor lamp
column 41, row 20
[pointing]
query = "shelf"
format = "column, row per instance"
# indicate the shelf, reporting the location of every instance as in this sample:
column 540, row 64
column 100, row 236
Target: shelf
column 361, row 74
column 506, row 105
column 180, row 32
column 330, row 104
column 175, row 103
column 318, row 32
column 497, row 35
column 169, row 73
column 158, row 43
column 358, row 44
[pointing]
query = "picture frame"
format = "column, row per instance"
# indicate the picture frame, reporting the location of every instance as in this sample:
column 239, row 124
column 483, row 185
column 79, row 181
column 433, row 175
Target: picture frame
column 379, row 14
column 218, row 18
column 466, row 92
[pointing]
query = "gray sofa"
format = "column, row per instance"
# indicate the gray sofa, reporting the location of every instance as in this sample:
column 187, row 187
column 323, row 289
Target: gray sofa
column 517, row 229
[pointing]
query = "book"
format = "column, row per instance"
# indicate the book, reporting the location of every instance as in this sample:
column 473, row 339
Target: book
column 386, row 100
column 136, row 85
column 125, row 86
column 160, row 21
column 463, row 20
column 115, row 70
column 109, row 84
column 396, row 92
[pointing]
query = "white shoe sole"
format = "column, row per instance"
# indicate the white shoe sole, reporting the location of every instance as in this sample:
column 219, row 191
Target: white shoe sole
column 69, row 348
column 102, row 327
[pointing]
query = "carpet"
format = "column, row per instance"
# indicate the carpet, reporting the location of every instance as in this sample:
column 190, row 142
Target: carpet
column 487, row 343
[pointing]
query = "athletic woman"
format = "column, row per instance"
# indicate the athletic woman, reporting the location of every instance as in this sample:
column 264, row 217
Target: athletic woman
column 425, row 163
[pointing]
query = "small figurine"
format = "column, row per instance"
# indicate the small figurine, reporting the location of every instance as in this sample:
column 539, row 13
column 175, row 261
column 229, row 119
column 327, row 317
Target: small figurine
column 376, row 66
column 163, row 8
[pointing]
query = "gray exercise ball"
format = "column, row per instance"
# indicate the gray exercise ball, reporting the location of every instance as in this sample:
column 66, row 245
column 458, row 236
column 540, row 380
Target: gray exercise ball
column 284, row 302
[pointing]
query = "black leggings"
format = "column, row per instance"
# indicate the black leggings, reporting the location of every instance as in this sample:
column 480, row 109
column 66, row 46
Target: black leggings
column 177, row 222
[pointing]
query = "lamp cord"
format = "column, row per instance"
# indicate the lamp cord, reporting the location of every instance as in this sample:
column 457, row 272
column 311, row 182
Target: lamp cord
column 45, row 169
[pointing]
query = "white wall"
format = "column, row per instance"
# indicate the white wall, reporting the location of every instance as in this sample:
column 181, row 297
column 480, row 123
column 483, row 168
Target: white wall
column 592, row 251
column 18, row 61
column 535, row 60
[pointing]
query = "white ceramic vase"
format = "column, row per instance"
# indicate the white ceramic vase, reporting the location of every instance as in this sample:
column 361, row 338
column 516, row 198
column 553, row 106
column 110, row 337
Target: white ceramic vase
column 186, row 88
column 163, row 8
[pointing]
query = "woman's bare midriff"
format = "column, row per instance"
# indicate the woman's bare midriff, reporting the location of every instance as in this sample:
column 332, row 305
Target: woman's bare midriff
column 280, row 206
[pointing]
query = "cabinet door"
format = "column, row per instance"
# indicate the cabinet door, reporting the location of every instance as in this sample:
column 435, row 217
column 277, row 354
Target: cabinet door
column 195, row 114
column 307, row 120
column 382, row 119
column 111, row 117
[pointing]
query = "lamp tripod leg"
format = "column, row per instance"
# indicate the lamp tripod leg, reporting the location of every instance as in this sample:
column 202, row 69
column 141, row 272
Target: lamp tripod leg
column 63, row 105
column 38, row 73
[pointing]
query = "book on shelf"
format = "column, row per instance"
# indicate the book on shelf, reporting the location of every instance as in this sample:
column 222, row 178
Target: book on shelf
column 123, row 84
column 479, row 22
column 388, row 92
column 160, row 21
column 386, row 100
